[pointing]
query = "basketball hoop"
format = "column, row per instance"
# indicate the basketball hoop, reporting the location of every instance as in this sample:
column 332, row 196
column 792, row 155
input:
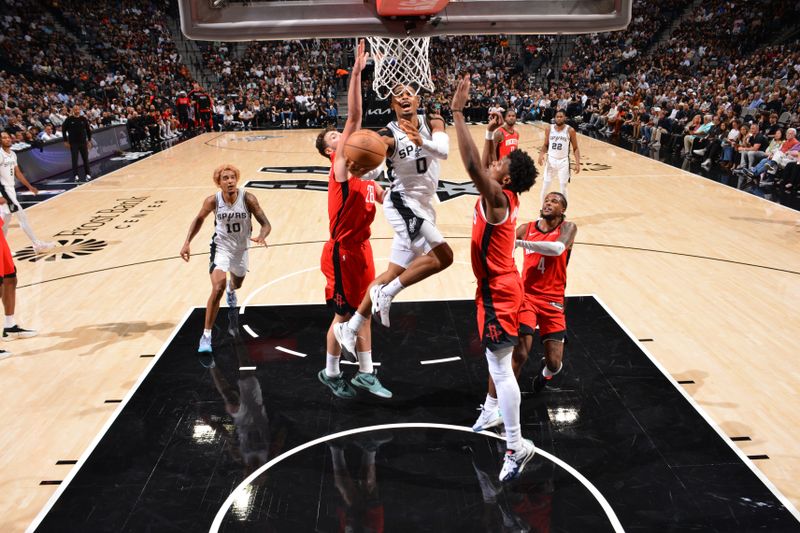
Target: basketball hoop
column 400, row 61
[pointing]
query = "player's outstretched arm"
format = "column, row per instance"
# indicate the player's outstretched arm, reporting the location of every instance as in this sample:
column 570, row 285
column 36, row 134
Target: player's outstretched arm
column 197, row 223
column 353, row 111
column 255, row 208
column 490, row 190
column 490, row 148
column 558, row 247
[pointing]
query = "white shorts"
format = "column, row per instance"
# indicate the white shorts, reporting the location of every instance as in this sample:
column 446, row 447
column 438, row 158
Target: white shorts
column 10, row 194
column 557, row 168
column 415, row 234
column 235, row 263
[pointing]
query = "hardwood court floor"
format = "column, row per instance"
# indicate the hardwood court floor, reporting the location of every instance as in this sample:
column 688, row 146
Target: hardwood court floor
column 710, row 274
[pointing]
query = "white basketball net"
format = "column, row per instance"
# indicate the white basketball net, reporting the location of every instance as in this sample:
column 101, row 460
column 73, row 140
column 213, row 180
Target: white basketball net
column 400, row 62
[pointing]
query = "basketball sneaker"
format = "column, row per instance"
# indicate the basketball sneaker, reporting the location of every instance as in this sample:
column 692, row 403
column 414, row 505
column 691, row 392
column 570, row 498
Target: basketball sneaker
column 4, row 354
column 204, row 354
column 230, row 297
column 205, row 344
column 346, row 337
column 338, row 385
column 371, row 384
column 514, row 462
column 487, row 419
column 540, row 382
column 380, row 304
column 16, row 332
column 43, row 246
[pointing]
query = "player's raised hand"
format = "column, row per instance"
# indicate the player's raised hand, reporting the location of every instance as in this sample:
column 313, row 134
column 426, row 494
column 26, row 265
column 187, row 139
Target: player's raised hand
column 185, row 252
column 260, row 240
column 409, row 129
column 495, row 120
column 461, row 95
column 361, row 57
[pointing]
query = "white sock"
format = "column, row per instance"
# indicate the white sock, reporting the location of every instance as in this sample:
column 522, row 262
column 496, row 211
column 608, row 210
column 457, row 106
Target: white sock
column 490, row 404
column 229, row 287
column 25, row 225
column 508, row 395
column 547, row 373
column 355, row 321
column 332, row 365
column 207, row 333
column 392, row 288
column 365, row 362
column 10, row 322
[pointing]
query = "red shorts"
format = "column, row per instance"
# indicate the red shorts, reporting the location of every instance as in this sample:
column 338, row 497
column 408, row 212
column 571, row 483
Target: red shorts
column 348, row 272
column 7, row 268
column 547, row 313
column 498, row 301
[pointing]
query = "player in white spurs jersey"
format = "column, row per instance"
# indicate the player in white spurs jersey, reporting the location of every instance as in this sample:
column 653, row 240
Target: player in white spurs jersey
column 232, row 208
column 557, row 141
column 9, row 172
column 415, row 143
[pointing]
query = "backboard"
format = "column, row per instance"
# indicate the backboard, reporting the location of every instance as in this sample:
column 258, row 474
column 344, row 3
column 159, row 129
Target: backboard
column 231, row 20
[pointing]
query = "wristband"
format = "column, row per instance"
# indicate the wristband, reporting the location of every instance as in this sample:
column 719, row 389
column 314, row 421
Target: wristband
column 489, row 135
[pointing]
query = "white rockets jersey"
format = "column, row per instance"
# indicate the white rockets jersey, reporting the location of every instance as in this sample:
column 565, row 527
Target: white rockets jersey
column 9, row 163
column 413, row 170
column 233, row 226
column 558, row 143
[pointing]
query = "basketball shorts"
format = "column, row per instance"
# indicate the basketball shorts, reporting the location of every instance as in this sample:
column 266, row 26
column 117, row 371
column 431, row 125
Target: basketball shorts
column 7, row 267
column 348, row 270
column 557, row 169
column 415, row 231
column 546, row 313
column 12, row 204
column 498, row 301
column 227, row 261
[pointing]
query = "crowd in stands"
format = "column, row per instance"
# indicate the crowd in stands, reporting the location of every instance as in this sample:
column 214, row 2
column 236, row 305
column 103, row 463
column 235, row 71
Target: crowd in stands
column 692, row 95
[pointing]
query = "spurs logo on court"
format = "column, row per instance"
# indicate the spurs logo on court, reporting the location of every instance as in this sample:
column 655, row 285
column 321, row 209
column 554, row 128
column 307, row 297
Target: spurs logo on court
column 589, row 166
column 493, row 333
column 66, row 249
column 447, row 190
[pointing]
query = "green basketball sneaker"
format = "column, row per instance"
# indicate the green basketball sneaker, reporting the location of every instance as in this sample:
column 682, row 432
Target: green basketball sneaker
column 338, row 385
column 371, row 384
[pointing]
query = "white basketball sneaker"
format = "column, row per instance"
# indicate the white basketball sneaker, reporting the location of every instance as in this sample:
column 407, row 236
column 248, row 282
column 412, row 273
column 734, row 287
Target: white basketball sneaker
column 346, row 337
column 488, row 418
column 381, row 303
column 43, row 246
column 514, row 462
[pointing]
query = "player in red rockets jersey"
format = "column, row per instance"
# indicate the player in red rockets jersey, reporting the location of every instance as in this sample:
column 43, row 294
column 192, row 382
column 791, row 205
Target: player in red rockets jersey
column 506, row 138
column 346, row 260
column 499, row 295
column 547, row 243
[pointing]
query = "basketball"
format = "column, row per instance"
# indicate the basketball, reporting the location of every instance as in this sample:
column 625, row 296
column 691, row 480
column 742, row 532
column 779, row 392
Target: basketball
column 366, row 149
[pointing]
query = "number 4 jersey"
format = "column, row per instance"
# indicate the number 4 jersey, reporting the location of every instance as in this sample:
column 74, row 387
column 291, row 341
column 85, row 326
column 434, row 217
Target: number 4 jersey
column 544, row 276
column 233, row 225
